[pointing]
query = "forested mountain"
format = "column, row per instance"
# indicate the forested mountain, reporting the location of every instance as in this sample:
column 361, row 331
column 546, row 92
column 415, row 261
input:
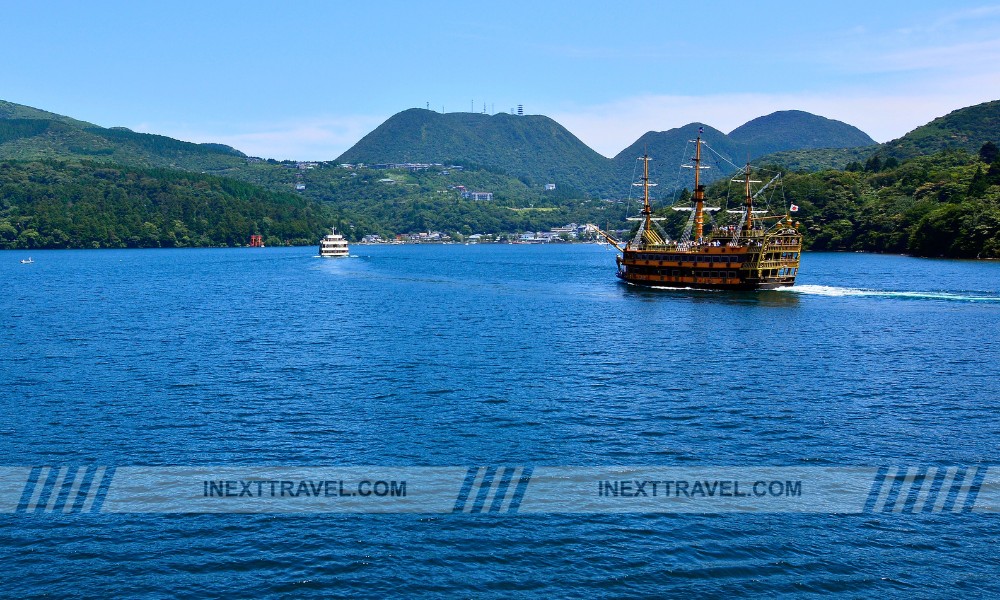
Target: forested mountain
column 792, row 138
column 9, row 110
column 966, row 128
column 27, row 134
column 532, row 147
column 539, row 150
column 668, row 150
column 796, row 130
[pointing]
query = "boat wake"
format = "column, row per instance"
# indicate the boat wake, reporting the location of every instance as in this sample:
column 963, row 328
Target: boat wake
column 840, row 292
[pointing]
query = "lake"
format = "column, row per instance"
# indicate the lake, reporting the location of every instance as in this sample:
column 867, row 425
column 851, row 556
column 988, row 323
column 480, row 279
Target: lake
column 458, row 356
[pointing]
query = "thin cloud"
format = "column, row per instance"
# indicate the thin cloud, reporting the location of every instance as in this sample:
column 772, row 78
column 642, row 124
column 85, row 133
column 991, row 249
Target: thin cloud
column 973, row 16
column 310, row 139
column 957, row 42
column 962, row 57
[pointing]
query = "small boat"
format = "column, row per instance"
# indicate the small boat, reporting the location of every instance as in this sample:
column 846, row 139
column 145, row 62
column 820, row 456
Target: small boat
column 27, row 262
column 333, row 245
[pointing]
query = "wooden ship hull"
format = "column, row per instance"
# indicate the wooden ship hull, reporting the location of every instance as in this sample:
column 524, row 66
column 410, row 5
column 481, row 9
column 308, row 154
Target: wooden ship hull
column 771, row 265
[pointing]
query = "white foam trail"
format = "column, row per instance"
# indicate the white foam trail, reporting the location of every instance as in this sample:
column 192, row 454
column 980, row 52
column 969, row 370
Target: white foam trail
column 833, row 291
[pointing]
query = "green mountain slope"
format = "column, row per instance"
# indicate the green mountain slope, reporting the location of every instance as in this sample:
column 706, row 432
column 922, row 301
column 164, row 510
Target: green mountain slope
column 10, row 110
column 532, row 147
column 29, row 134
column 818, row 159
column 966, row 129
column 668, row 150
column 796, row 130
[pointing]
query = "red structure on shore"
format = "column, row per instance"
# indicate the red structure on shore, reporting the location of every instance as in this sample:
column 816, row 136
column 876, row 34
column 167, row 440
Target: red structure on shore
column 256, row 241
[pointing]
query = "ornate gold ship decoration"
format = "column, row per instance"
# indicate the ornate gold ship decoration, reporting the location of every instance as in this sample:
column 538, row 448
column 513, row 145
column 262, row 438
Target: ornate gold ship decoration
column 759, row 252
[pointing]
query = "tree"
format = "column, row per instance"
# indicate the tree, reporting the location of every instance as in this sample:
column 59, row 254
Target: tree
column 993, row 175
column 978, row 185
column 989, row 153
column 874, row 164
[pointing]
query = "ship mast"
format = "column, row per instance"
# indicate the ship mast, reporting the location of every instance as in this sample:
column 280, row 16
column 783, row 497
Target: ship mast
column 699, row 192
column 647, row 211
column 748, row 220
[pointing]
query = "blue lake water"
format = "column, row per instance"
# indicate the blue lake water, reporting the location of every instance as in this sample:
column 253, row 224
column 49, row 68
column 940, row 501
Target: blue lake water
column 469, row 355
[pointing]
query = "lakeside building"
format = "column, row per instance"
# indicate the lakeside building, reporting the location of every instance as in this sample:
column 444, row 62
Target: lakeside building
column 423, row 237
column 474, row 196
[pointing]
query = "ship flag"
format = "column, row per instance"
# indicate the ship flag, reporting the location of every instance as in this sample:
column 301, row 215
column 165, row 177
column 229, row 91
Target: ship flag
column 793, row 208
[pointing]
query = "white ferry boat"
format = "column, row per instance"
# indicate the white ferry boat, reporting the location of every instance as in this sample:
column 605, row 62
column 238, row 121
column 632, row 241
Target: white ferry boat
column 333, row 245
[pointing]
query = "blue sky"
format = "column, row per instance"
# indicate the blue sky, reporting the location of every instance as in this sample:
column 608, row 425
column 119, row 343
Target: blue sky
column 306, row 80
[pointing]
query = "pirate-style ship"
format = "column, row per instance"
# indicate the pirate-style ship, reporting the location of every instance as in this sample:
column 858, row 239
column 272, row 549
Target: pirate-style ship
column 749, row 255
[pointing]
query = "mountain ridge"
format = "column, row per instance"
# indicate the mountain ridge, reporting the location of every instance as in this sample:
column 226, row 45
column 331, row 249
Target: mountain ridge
column 785, row 130
column 524, row 146
column 28, row 133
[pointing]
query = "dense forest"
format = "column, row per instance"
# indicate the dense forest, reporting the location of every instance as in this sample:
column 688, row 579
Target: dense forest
column 51, row 204
column 946, row 204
